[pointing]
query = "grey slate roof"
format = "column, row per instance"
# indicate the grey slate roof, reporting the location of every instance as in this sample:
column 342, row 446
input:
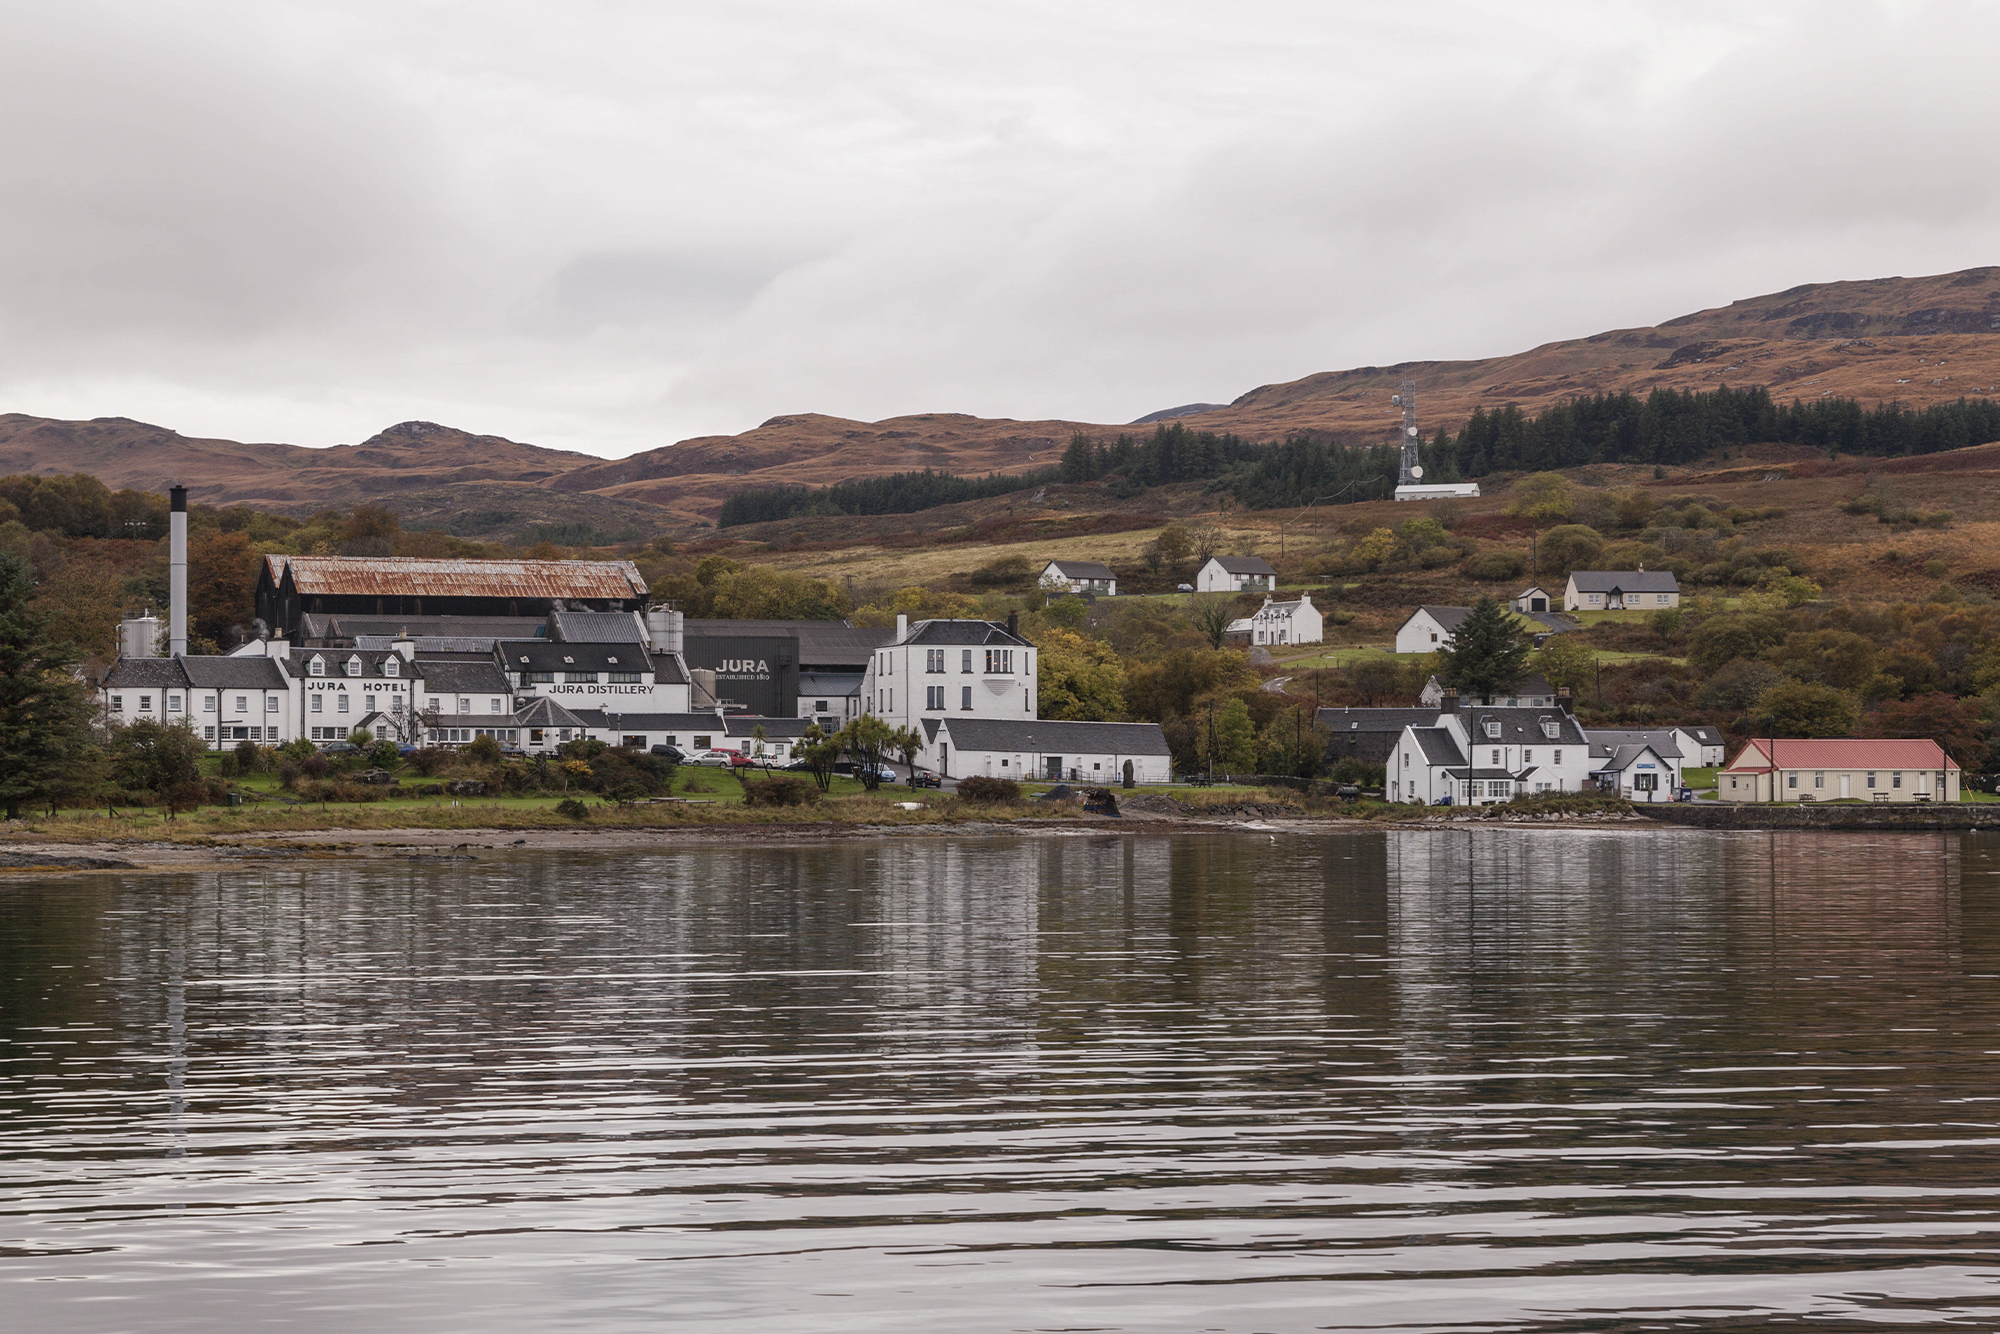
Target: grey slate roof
column 348, row 625
column 1608, row 741
column 650, row 722
column 776, row 729
column 830, row 683
column 429, row 645
column 1628, row 581
column 447, row 676
column 1438, row 745
column 1450, row 618
column 595, row 627
column 206, row 673
column 1039, row 736
column 542, row 655
column 966, row 633
column 1083, row 569
column 145, row 674
column 543, row 712
column 1244, row 565
column 1521, row 727
column 1374, row 720
column 1708, row 736
column 336, row 663
column 1617, row 759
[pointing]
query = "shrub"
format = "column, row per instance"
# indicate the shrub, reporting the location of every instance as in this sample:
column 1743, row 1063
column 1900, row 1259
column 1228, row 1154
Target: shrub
column 1496, row 565
column 431, row 761
column 781, row 790
column 988, row 789
column 249, row 757
column 315, row 765
column 484, row 750
column 573, row 808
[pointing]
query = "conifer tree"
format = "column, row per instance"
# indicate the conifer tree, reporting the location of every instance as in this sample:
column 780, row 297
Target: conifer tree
column 1487, row 654
column 45, row 712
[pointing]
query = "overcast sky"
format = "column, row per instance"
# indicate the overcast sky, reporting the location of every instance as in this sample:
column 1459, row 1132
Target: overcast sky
column 610, row 226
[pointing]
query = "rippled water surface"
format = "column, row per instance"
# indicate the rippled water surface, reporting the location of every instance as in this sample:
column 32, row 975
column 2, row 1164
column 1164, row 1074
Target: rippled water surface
column 1413, row 1081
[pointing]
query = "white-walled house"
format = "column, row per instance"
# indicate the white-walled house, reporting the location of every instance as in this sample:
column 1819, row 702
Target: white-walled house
column 226, row 700
column 1079, row 576
column 1294, row 622
column 1834, row 769
column 1476, row 755
column 951, row 668
column 1638, row 765
column 1621, row 590
column 1028, row 750
column 339, row 688
column 621, row 676
column 1236, row 574
column 1530, row 692
column 1700, row 747
column 1532, row 599
column 1428, row 628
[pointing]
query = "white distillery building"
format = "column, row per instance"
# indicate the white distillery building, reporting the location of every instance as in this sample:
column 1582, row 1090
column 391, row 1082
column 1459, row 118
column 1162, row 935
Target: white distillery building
column 225, row 700
column 1236, row 574
column 938, row 669
column 1475, row 755
column 1041, row 750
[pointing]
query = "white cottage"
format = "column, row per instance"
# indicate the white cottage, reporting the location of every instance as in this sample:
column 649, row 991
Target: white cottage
column 1031, row 749
column 955, row 668
column 1621, row 590
column 1295, row 622
column 1079, row 576
column 1236, row 574
column 1639, row 765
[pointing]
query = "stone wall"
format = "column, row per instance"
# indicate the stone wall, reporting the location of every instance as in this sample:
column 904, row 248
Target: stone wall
column 1828, row 815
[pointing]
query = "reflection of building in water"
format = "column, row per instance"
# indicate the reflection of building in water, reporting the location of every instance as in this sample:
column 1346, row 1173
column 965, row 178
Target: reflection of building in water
column 955, row 934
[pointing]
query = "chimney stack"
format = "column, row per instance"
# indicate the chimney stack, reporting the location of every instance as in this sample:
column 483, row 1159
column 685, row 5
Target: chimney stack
column 902, row 627
column 1563, row 701
column 177, row 571
column 1014, row 623
column 1448, row 703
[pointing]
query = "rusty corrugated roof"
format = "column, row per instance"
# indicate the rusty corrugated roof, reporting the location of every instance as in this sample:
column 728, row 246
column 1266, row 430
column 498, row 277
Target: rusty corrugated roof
column 419, row 576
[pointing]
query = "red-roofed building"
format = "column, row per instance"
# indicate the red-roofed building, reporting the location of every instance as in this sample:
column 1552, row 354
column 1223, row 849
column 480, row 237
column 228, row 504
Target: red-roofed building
column 1836, row 768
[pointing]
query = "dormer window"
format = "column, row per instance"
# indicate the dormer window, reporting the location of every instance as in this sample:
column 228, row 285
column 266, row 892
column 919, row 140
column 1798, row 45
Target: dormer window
column 354, row 666
column 1492, row 728
column 390, row 667
column 316, row 666
column 1551, row 729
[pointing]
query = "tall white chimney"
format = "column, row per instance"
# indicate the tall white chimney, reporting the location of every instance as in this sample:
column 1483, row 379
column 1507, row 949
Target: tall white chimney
column 177, row 571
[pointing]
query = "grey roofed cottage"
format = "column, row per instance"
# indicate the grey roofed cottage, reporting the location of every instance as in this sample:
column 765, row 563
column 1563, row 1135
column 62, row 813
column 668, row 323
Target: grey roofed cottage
column 1368, row 734
column 1621, row 590
column 1080, row 576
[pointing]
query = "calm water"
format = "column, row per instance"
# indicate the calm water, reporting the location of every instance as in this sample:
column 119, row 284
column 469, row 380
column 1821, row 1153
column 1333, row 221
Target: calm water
column 1424, row 1081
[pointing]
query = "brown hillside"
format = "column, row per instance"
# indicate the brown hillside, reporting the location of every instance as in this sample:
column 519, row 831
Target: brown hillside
column 1917, row 340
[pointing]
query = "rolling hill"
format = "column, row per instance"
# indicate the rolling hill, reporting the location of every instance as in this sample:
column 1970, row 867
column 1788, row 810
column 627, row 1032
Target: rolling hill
column 1917, row 340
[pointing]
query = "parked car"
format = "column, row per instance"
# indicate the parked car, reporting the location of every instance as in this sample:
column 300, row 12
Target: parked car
column 340, row 748
column 719, row 759
column 924, row 778
column 671, row 752
column 1184, row 588
column 883, row 773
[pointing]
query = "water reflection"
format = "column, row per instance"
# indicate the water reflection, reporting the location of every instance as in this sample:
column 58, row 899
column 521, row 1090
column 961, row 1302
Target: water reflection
column 1438, row 1080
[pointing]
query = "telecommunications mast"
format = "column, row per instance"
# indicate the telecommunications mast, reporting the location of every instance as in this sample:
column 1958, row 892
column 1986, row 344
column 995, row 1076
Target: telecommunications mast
column 1410, row 483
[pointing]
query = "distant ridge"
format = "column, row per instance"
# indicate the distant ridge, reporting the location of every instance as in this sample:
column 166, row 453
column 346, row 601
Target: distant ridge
column 1169, row 414
column 1911, row 340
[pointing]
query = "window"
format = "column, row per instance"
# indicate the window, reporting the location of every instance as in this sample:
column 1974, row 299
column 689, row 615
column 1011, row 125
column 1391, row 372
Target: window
column 1791, row 780
column 1645, row 782
column 965, row 662
column 1871, row 778
column 270, row 703
column 354, row 666
column 1895, row 780
column 701, row 742
column 118, row 704
column 464, row 704
column 145, row 703
column 580, row 678
column 1556, row 757
column 934, row 660
column 343, row 703
column 1660, row 600
column 1819, row 779
column 319, row 703
column 208, row 734
column 622, row 678
column 999, row 662
column 492, row 704
column 174, row 704
column 1492, row 728
column 1527, row 756
column 934, row 697
column 208, row 704
column 243, row 704
column 1596, row 598
column 316, row 666
column 391, row 666
column 965, row 698
column 1496, row 757
column 1551, row 729
column 820, row 705
column 538, row 678
column 368, row 703
column 395, row 703
column 633, row 742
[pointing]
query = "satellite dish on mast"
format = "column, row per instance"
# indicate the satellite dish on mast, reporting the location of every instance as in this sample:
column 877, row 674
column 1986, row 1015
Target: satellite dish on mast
column 1409, row 430
column 1417, row 471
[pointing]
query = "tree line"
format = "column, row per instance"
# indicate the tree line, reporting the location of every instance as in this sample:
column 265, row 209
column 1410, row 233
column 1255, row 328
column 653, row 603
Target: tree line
column 1665, row 426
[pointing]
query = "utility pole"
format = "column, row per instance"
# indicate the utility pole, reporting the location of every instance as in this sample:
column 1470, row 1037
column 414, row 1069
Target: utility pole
column 1211, row 743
